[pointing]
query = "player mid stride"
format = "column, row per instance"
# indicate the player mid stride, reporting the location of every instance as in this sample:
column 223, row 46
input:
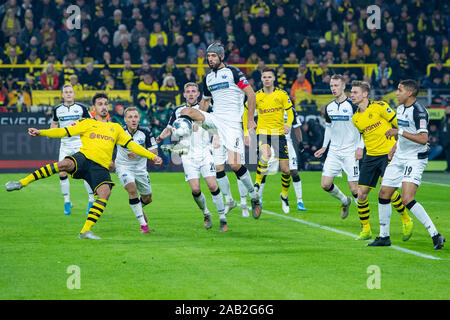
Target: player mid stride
column 198, row 161
column 131, row 169
column 227, row 86
column 409, row 159
column 345, row 145
column 91, row 163
column 66, row 114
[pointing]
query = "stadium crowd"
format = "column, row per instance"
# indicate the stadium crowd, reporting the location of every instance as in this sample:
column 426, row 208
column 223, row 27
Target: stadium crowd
column 170, row 33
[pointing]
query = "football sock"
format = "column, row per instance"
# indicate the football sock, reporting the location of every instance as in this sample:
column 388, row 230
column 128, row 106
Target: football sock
column 224, row 185
column 65, row 188
column 242, row 192
column 94, row 214
column 297, row 183
column 261, row 170
column 136, row 207
column 89, row 190
column 261, row 187
column 398, row 205
column 364, row 213
column 218, row 201
column 243, row 175
column 200, row 200
column 420, row 213
column 355, row 198
column 41, row 173
column 384, row 214
column 337, row 193
column 285, row 184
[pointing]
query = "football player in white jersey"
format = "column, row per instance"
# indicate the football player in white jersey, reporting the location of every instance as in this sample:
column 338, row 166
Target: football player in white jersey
column 132, row 169
column 66, row 114
column 409, row 158
column 227, row 86
column 346, row 145
column 199, row 160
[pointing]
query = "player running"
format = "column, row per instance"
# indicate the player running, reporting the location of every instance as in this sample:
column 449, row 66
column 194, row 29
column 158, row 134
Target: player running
column 227, row 86
column 66, row 114
column 409, row 159
column 131, row 169
column 271, row 105
column 345, row 145
column 273, row 164
column 373, row 119
column 91, row 163
column 198, row 161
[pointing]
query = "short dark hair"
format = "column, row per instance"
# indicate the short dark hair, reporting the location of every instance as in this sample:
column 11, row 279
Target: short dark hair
column 269, row 69
column 99, row 96
column 411, row 85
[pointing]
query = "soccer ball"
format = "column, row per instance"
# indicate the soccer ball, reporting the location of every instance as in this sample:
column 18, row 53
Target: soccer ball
column 181, row 128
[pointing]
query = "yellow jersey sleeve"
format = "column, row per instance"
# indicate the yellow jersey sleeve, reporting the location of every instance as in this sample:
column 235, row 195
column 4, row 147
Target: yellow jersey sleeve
column 122, row 137
column 53, row 133
column 387, row 113
column 77, row 128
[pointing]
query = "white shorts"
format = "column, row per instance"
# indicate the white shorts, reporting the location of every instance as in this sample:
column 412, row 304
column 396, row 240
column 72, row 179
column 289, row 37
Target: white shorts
column 193, row 169
column 141, row 179
column 220, row 155
column 293, row 164
column 335, row 163
column 65, row 151
column 232, row 138
column 404, row 170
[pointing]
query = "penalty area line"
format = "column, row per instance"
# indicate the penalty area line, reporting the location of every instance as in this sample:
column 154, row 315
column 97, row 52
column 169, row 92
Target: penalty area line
column 312, row 224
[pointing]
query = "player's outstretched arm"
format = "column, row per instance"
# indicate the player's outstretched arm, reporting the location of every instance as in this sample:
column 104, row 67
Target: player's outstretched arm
column 50, row 133
column 141, row 151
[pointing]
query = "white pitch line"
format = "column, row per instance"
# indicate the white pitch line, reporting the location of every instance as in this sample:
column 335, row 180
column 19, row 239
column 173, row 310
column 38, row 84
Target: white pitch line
column 312, row 224
column 437, row 184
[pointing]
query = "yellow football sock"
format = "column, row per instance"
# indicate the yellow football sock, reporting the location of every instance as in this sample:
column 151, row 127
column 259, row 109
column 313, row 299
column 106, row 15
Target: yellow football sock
column 94, row 214
column 261, row 170
column 398, row 205
column 364, row 213
column 285, row 184
column 41, row 173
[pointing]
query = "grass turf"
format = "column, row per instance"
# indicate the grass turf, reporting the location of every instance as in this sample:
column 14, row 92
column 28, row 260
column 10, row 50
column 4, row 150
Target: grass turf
column 269, row 258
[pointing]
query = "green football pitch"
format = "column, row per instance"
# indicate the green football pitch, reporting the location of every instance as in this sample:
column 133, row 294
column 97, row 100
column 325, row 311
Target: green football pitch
column 310, row 255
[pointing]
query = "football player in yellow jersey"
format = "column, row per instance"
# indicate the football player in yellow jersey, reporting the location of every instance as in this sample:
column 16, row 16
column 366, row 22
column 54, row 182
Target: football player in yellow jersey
column 373, row 119
column 271, row 104
column 91, row 163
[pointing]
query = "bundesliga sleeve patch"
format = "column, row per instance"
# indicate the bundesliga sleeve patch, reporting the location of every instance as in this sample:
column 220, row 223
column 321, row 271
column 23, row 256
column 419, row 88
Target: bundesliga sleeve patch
column 423, row 124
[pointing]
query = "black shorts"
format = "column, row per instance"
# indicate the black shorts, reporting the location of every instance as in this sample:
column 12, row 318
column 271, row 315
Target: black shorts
column 278, row 143
column 94, row 174
column 371, row 169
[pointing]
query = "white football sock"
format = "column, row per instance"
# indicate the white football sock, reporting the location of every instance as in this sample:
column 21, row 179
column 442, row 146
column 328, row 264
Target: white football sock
column 423, row 217
column 65, row 189
column 384, row 214
column 218, row 202
column 90, row 192
column 224, row 186
column 248, row 183
column 335, row 192
column 201, row 201
column 242, row 192
column 298, row 190
column 136, row 207
column 261, row 190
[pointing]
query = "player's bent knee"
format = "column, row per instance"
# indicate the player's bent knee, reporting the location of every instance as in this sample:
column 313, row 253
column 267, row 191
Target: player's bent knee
column 147, row 198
